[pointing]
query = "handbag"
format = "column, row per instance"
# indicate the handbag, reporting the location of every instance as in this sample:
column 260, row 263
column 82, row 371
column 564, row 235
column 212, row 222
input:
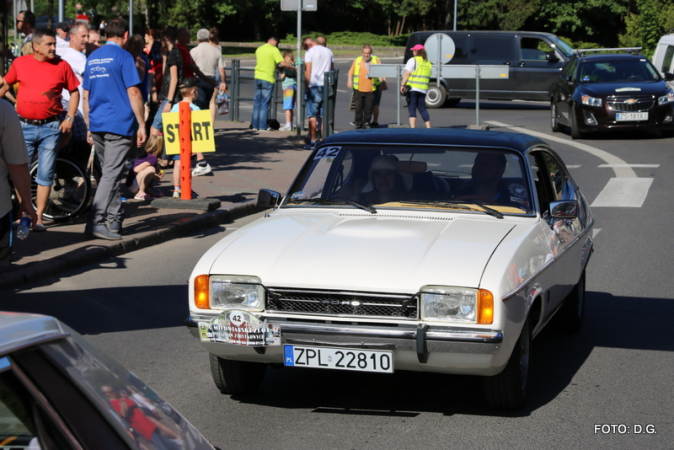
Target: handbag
column 222, row 102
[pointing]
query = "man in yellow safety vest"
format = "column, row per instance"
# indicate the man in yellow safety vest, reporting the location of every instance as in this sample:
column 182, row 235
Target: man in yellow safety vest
column 364, row 87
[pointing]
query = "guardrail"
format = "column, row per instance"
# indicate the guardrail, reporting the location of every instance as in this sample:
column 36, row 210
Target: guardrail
column 329, row 96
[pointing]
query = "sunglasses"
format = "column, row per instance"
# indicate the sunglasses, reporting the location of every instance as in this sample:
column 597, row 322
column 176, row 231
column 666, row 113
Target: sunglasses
column 18, row 21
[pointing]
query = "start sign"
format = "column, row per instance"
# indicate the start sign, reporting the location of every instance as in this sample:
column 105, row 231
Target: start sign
column 203, row 140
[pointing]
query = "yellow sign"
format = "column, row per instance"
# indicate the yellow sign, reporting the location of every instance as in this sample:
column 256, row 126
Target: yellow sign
column 203, row 140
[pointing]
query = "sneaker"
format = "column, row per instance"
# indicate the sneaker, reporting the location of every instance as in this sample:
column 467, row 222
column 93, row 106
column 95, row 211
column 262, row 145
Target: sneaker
column 310, row 146
column 286, row 128
column 374, row 124
column 201, row 170
column 101, row 231
column 115, row 226
column 352, row 123
column 176, row 194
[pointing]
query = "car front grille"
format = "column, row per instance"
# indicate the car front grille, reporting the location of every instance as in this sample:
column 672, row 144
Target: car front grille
column 630, row 104
column 334, row 303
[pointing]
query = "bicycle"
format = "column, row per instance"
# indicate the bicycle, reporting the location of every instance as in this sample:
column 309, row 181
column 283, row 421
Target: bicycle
column 71, row 192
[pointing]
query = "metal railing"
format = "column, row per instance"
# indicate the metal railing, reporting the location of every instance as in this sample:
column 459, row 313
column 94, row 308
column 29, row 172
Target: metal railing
column 331, row 80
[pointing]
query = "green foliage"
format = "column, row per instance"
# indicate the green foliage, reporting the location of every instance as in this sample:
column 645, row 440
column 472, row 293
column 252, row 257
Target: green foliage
column 353, row 38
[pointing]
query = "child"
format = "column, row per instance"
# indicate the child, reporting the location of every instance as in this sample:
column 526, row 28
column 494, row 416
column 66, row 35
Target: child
column 289, row 77
column 188, row 91
column 144, row 170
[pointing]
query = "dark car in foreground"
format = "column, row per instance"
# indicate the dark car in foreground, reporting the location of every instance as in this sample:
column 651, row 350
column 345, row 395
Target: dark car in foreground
column 611, row 91
column 59, row 392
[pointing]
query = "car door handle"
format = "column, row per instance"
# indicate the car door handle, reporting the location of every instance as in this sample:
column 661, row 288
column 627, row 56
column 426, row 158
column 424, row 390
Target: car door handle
column 507, row 63
column 522, row 64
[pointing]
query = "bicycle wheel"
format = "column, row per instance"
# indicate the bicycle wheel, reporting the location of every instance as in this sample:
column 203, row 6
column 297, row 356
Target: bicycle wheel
column 70, row 192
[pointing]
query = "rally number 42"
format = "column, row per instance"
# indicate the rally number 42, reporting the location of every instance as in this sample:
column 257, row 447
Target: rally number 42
column 328, row 152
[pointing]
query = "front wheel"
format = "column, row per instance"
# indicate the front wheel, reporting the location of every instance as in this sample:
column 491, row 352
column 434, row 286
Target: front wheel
column 436, row 97
column 554, row 123
column 575, row 130
column 236, row 377
column 508, row 389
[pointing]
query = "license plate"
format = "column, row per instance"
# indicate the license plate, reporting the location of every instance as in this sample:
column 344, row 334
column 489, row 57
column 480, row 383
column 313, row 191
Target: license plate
column 338, row 358
column 626, row 117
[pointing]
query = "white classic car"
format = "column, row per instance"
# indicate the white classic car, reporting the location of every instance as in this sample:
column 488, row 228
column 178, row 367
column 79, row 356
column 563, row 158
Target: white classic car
column 432, row 250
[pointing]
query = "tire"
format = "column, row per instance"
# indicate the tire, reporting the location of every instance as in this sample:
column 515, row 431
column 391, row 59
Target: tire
column 571, row 314
column 554, row 123
column 436, row 97
column 575, row 131
column 70, row 193
column 236, row 377
column 508, row 389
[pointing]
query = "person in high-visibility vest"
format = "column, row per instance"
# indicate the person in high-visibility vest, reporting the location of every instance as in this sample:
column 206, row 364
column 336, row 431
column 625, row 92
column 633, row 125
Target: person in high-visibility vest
column 417, row 76
column 364, row 87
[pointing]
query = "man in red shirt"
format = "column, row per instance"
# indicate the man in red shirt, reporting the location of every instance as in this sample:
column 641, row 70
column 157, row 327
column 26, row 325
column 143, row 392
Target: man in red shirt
column 42, row 77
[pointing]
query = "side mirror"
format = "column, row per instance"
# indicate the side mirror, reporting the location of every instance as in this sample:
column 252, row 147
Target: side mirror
column 551, row 57
column 569, row 80
column 268, row 199
column 566, row 209
column 669, row 76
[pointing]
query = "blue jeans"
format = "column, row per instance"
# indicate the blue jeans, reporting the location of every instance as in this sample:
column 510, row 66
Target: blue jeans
column 263, row 92
column 315, row 101
column 45, row 140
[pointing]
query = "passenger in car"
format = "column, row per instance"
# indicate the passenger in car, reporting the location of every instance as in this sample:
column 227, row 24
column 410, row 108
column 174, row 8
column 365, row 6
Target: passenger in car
column 385, row 183
column 487, row 183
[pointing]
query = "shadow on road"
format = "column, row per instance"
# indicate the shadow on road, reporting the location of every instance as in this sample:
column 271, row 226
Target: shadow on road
column 614, row 322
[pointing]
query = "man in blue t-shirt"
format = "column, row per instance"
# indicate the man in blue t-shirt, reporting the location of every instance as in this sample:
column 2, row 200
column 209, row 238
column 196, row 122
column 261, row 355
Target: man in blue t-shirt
column 113, row 109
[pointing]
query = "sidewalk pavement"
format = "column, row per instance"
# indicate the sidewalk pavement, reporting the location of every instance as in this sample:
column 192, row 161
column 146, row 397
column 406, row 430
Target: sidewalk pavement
column 244, row 162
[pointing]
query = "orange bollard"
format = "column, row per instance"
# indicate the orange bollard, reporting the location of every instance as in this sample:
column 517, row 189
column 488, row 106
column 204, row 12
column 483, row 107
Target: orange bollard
column 185, row 133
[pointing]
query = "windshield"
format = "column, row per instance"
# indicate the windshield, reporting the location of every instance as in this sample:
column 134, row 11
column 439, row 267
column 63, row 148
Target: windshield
column 416, row 177
column 563, row 47
column 617, row 71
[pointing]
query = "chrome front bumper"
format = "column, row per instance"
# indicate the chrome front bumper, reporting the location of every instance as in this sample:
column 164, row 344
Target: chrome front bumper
column 422, row 339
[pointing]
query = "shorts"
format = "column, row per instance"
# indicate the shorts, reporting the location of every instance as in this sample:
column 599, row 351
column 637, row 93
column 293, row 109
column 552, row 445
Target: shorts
column 377, row 97
column 289, row 97
column 157, row 122
column 315, row 101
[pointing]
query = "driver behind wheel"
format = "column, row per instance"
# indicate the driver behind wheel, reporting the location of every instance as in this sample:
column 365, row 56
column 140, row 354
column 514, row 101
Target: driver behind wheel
column 487, row 185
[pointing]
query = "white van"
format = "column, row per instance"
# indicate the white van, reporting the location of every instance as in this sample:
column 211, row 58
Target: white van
column 663, row 58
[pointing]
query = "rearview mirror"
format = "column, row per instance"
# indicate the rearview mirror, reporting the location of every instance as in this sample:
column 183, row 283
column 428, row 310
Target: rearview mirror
column 268, row 199
column 566, row 209
column 551, row 57
column 668, row 76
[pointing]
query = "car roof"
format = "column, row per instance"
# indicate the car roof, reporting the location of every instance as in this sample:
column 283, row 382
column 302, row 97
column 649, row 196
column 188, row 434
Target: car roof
column 19, row 330
column 434, row 137
column 497, row 32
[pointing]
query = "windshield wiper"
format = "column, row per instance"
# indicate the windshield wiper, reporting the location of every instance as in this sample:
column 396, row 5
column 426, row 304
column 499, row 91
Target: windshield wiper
column 335, row 201
column 458, row 205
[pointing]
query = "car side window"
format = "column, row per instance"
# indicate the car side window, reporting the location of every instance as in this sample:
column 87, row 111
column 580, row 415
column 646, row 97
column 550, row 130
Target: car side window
column 555, row 174
column 667, row 61
column 541, row 179
column 534, row 49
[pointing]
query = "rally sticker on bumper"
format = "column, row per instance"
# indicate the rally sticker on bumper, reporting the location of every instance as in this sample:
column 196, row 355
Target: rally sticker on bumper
column 240, row 328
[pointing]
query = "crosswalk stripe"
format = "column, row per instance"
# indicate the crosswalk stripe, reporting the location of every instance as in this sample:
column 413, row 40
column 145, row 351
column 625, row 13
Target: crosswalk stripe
column 623, row 193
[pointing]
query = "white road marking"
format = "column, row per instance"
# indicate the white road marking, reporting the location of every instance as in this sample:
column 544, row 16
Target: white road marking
column 573, row 167
column 634, row 166
column 624, row 193
column 344, row 92
column 595, row 232
column 622, row 169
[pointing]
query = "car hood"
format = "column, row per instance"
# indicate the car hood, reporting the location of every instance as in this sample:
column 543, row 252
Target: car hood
column 352, row 251
column 626, row 88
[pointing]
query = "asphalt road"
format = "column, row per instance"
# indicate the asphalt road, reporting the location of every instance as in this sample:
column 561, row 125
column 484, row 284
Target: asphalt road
column 615, row 375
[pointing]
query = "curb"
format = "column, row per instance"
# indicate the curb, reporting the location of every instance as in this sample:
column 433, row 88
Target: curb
column 88, row 255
